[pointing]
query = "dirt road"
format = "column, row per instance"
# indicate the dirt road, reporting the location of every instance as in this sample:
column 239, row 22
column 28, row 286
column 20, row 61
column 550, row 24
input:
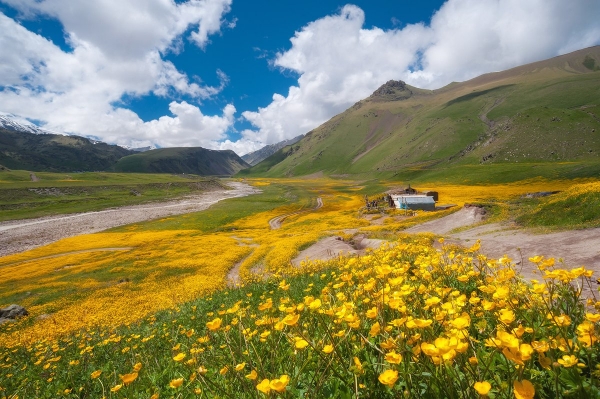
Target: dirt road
column 276, row 222
column 19, row 236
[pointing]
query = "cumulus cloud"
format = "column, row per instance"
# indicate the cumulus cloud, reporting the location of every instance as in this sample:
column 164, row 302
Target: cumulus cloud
column 339, row 62
column 117, row 49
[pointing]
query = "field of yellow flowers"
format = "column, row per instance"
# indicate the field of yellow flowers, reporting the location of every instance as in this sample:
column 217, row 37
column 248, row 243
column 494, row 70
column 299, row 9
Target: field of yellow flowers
column 142, row 313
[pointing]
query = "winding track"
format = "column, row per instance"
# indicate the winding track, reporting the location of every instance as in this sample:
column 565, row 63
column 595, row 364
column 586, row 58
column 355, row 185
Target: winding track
column 276, row 222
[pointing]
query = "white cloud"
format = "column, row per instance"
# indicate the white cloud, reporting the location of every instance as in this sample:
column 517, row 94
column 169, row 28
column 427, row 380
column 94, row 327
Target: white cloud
column 117, row 50
column 130, row 29
column 339, row 62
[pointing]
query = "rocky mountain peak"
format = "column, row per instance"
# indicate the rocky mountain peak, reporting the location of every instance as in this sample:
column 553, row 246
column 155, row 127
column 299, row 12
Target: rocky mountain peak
column 392, row 90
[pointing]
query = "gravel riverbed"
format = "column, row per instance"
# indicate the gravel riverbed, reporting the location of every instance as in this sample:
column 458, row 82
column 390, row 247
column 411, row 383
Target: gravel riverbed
column 22, row 235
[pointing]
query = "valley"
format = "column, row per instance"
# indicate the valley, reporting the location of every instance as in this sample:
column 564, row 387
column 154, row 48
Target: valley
column 155, row 277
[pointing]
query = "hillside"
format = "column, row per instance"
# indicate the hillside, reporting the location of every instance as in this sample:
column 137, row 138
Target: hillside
column 193, row 160
column 544, row 114
column 55, row 153
column 255, row 157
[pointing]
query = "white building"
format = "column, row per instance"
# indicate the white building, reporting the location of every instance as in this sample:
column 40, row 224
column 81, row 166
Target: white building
column 413, row 202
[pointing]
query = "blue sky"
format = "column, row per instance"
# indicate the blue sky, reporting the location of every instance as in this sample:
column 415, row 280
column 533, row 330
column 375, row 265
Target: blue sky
column 226, row 74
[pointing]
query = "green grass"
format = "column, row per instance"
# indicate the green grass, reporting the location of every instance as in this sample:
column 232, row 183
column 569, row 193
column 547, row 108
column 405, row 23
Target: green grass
column 62, row 193
column 504, row 172
column 223, row 213
column 562, row 211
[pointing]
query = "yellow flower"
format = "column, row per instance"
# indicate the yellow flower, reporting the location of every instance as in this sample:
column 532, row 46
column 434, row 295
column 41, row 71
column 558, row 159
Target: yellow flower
column 202, row 370
column 280, row 383
column 593, row 317
column 506, row 316
column 154, row 396
column 372, row 313
column 375, row 329
column 393, row 357
column 545, row 362
column 96, row 374
column 327, row 349
column 179, row 357
column 176, row 383
column 129, row 378
column 388, row 377
column 540, row 346
column 214, row 325
column 224, row 370
column 116, row 388
column 523, row 389
column 314, row 305
column 264, row 386
column 357, row 365
column 240, row 367
column 462, row 322
column 253, row 375
column 291, row 319
column 301, row 344
column 418, row 323
column 137, row 367
column 482, row 387
column 568, row 360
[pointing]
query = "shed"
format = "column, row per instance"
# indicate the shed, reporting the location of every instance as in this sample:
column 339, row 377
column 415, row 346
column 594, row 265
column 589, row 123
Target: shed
column 414, row 202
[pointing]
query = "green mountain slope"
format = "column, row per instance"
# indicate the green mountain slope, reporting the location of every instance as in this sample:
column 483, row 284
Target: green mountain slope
column 542, row 113
column 56, row 153
column 194, row 160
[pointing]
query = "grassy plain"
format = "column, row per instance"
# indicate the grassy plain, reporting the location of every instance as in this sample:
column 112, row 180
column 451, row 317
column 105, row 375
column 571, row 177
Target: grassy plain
column 144, row 310
column 60, row 193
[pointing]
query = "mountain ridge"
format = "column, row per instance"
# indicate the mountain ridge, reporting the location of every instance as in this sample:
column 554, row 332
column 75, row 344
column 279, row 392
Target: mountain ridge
column 257, row 156
column 546, row 111
column 189, row 160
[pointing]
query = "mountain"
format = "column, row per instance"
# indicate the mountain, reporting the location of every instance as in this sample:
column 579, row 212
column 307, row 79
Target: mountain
column 193, row 160
column 546, row 113
column 255, row 157
column 8, row 122
column 37, row 150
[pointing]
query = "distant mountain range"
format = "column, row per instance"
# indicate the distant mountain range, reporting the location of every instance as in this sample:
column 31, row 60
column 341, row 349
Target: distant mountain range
column 194, row 160
column 26, row 146
column 255, row 157
column 9, row 122
column 41, row 151
column 547, row 112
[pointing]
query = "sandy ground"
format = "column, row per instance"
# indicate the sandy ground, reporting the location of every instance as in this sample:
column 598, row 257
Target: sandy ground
column 19, row 236
column 464, row 217
column 570, row 249
column 332, row 247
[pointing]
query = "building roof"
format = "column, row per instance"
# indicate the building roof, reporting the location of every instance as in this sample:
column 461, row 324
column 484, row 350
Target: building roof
column 413, row 199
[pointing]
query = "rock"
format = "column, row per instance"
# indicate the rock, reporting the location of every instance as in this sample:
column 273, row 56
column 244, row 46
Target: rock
column 3, row 320
column 12, row 312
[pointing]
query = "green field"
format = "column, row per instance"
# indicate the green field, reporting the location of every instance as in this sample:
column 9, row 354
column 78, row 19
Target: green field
column 61, row 193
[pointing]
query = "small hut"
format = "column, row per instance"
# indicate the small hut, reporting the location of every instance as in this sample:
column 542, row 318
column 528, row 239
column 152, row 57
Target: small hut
column 413, row 202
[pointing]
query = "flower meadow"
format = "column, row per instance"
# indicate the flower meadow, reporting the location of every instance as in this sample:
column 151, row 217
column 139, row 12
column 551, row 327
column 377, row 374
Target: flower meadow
column 417, row 318
column 407, row 320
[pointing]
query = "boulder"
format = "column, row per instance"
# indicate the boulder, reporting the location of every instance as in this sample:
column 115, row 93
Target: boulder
column 12, row 312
